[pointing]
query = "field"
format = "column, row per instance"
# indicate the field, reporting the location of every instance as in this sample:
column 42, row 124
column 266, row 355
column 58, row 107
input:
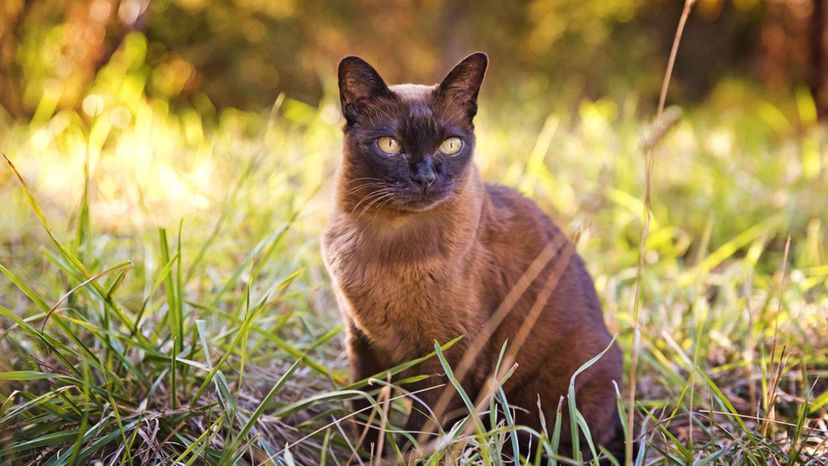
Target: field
column 163, row 300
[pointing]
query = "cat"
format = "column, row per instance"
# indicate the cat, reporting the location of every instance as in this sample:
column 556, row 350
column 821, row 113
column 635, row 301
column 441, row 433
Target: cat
column 421, row 250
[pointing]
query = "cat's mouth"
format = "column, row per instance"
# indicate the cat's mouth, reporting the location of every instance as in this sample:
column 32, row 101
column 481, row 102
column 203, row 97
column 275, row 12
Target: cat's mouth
column 423, row 200
column 405, row 199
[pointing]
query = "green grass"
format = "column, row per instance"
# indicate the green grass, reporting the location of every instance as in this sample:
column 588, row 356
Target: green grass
column 173, row 307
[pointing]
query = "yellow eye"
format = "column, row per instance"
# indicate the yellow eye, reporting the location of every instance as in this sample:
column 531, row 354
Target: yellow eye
column 389, row 145
column 451, row 146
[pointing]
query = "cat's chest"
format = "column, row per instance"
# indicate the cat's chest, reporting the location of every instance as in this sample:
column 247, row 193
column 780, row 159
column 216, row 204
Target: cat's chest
column 403, row 304
column 389, row 293
column 403, row 311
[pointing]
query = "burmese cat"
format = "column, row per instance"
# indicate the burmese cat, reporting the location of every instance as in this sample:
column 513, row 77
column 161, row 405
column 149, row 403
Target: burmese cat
column 421, row 250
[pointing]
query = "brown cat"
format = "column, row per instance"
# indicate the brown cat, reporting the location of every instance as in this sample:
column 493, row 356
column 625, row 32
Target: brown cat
column 421, row 250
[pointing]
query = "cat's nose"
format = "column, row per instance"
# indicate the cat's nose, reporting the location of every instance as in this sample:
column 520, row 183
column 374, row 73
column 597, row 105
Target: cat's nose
column 423, row 174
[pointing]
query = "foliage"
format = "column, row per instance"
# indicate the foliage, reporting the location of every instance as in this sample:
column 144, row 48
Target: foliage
column 242, row 53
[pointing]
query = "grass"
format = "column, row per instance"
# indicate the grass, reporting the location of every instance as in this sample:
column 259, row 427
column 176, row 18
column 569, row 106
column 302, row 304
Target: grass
column 163, row 299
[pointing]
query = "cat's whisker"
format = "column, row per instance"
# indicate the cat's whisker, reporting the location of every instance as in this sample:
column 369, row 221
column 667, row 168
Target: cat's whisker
column 370, row 196
column 377, row 198
column 382, row 205
column 364, row 186
column 366, row 183
column 373, row 183
column 364, row 178
column 388, row 196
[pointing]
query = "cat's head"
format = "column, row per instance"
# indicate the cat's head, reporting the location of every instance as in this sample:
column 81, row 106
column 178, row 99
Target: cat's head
column 407, row 147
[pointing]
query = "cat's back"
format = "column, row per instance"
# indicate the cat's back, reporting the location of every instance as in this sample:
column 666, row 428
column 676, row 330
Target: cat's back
column 516, row 219
column 517, row 233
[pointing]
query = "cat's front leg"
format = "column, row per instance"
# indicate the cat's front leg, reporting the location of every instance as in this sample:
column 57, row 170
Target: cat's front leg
column 435, row 401
column 364, row 363
column 425, row 394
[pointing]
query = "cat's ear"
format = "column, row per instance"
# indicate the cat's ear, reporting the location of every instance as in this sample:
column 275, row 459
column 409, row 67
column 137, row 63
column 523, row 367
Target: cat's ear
column 462, row 84
column 358, row 82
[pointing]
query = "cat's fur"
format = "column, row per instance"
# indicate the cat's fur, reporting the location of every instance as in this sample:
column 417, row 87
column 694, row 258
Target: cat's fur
column 414, row 265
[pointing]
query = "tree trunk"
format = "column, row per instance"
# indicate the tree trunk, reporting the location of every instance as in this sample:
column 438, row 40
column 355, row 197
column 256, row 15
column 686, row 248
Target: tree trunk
column 818, row 66
column 10, row 72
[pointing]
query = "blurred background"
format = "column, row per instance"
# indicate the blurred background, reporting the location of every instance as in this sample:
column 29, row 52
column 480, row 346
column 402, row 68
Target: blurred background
column 161, row 102
column 242, row 53
column 178, row 109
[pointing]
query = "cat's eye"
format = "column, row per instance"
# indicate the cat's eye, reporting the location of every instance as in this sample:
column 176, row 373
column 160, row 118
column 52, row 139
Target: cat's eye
column 451, row 146
column 389, row 145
